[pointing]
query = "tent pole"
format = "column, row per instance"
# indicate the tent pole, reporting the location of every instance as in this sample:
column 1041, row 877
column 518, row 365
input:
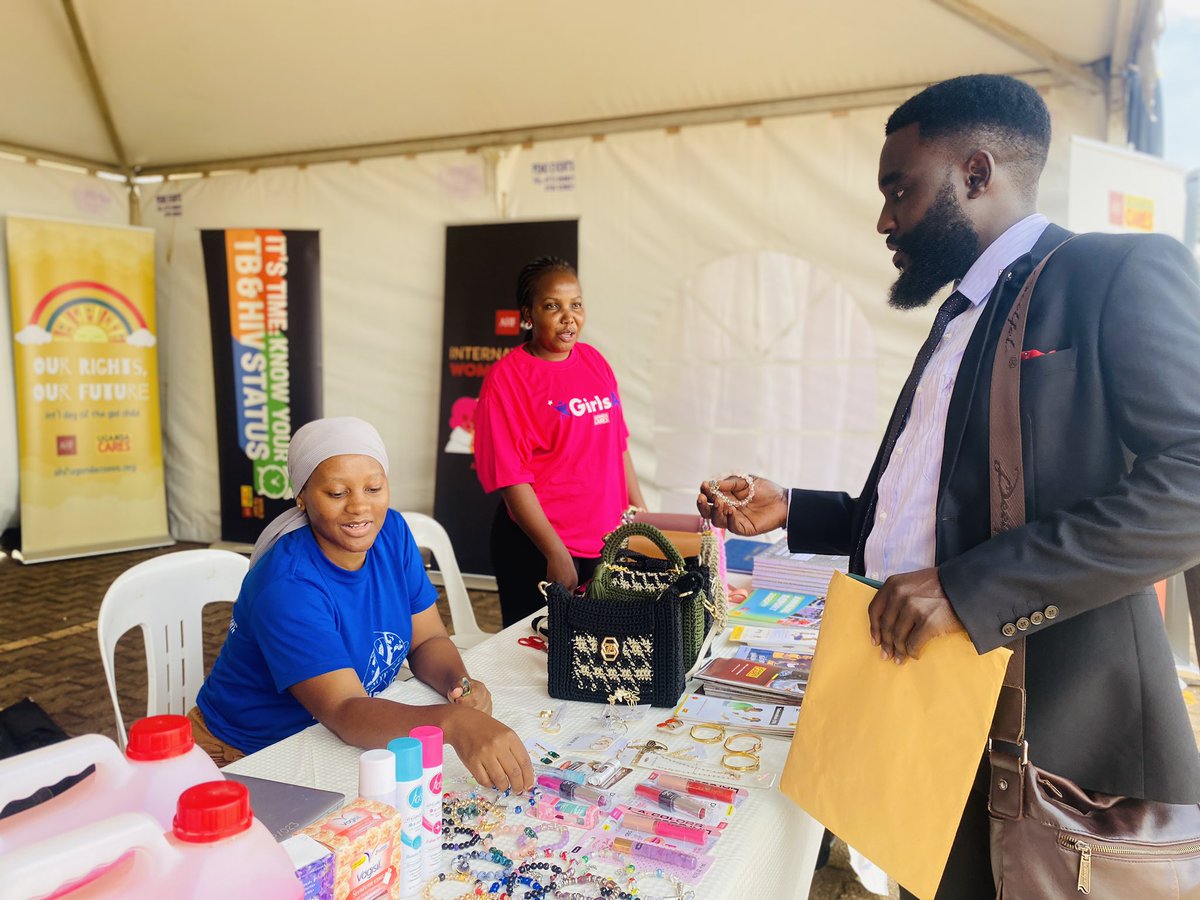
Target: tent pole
column 89, row 68
column 33, row 154
column 1080, row 76
column 823, row 103
column 1118, row 63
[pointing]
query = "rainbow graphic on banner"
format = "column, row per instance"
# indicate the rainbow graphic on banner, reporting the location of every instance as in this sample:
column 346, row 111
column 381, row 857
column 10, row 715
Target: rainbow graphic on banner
column 86, row 311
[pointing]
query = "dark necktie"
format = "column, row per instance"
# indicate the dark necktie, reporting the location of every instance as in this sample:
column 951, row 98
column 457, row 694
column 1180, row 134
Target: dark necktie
column 955, row 304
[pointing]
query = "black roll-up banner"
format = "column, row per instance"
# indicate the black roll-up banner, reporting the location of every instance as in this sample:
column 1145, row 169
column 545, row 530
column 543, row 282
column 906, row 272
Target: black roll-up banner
column 481, row 325
column 264, row 297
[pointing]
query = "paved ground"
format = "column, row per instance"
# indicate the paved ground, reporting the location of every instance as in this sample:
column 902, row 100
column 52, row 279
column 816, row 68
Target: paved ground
column 49, row 651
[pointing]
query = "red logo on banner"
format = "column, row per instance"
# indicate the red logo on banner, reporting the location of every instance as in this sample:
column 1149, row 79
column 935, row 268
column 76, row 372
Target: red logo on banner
column 508, row 321
column 66, row 445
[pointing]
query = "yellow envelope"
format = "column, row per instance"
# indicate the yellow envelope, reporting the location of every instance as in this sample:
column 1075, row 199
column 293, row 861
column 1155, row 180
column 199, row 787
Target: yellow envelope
column 884, row 755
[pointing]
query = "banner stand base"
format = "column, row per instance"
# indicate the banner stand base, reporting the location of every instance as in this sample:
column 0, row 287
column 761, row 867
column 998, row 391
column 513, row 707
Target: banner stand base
column 90, row 550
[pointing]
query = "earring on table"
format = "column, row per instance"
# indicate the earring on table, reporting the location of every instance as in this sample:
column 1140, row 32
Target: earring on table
column 733, row 762
column 708, row 733
column 755, row 747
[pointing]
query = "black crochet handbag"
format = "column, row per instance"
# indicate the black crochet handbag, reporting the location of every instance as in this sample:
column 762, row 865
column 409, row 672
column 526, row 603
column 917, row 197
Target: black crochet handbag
column 619, row 651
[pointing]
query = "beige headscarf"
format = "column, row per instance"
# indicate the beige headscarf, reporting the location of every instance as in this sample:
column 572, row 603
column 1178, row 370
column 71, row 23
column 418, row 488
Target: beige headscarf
column 311, row 445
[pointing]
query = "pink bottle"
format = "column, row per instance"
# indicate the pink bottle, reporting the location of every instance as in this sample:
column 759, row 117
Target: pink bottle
column 215, row 849
column 160, row 762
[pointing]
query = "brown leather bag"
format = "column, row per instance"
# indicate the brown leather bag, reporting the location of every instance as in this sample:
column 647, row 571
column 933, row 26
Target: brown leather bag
column 1049, row 837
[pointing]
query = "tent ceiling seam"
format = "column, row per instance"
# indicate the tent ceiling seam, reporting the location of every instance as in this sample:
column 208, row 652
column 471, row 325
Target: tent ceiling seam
column 34, row 154
column 644, row 122
column 1078, row 75
column 93, row 77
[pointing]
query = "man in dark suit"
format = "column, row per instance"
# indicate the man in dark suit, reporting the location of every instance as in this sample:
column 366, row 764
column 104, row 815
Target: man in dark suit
column 1110, row 422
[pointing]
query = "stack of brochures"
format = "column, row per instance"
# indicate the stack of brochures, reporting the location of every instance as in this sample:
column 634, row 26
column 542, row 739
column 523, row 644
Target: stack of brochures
column 740, row 553
column 799, row 573
column 744, row 679
column 738, row 715
column 790, row 639
column 779, row 609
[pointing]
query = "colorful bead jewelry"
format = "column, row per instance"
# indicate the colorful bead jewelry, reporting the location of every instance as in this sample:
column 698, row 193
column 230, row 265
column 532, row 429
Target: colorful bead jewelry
column 720, row 496
column 431, row 885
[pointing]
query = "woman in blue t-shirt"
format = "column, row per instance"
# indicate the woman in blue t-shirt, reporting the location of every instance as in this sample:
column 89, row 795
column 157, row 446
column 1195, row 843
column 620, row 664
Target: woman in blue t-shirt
column 335, row 600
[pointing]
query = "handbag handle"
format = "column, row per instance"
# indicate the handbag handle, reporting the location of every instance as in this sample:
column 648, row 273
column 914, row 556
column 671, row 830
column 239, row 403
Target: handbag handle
column 617, row 538
column 1007, row 489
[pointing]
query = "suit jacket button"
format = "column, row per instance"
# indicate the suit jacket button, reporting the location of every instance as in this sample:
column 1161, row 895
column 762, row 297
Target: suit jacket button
column 1036, row 618
column 1051, row 612
column 1009, row 629
column 1022, row 624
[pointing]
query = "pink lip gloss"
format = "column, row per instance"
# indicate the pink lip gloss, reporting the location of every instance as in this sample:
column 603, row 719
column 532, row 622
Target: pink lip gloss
column 656, row 852
column 647, row 825
column 672, row 801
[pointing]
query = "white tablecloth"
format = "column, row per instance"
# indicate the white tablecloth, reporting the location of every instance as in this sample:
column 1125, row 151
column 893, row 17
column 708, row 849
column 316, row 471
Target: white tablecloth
column 768, row 850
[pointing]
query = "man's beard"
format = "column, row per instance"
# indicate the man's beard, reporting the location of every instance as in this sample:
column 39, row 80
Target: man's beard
column 939, row 249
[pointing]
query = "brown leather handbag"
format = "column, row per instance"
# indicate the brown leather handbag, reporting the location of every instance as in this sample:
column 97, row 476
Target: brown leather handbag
column 1050, row 838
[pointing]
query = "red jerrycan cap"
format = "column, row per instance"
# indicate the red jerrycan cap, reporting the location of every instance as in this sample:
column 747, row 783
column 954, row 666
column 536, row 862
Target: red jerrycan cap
column 159, row 737
column 211, row 811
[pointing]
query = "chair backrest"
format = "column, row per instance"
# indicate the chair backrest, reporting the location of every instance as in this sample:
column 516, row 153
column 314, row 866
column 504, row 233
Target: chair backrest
column 165, row 596
column 432, row 536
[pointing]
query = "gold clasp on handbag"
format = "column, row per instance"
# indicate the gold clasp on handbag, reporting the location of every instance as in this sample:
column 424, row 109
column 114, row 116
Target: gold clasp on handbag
column 610, row 649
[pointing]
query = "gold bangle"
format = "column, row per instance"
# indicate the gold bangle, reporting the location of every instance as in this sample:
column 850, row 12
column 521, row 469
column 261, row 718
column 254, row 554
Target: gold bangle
column 751, row 767
column 755, row 748
column 718, row 733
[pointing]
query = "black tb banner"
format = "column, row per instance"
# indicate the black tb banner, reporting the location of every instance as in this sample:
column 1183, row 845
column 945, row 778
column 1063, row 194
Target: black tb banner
column 264, row 298
column 481, row 326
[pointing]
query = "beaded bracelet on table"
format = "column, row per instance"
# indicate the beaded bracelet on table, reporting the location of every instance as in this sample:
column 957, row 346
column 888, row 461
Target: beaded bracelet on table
column 476, row 891
column 473, row 837
column 462, row 864
column 535, row 890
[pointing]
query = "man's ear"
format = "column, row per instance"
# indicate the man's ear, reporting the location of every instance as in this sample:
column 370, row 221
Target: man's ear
column 979, row 168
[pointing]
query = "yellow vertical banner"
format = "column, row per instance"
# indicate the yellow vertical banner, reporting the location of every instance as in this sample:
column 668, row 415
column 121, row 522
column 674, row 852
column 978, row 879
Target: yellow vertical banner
column 90, row 443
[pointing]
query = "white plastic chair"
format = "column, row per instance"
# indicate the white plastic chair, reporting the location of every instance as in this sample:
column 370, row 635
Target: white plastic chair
column 164, row 596
column 432, row 536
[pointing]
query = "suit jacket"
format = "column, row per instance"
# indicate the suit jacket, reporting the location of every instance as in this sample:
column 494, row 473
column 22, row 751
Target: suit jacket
column 1110, row 430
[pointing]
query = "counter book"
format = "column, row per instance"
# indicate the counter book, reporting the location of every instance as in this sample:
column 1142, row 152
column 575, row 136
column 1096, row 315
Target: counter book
column 743, row 679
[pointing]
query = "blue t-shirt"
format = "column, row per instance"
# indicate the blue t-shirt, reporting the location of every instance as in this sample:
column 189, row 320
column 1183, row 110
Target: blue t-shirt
column 299, row 616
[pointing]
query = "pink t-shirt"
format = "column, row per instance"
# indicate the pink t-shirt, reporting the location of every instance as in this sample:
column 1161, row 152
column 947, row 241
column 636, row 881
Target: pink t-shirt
column 557, row 426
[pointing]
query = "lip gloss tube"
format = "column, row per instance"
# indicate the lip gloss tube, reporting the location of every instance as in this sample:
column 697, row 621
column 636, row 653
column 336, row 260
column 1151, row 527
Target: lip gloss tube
column 656, row 852
column 671, row 801
column 569, row 790
column 647, row 825
column 580, row 815
column 696, row 788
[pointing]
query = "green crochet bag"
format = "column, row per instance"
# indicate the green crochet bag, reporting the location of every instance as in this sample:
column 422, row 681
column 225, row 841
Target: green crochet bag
column 626, row 575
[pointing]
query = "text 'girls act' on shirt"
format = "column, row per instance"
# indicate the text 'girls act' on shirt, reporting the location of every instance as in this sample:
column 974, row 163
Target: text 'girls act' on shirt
column 299, row 616
column 559, row 427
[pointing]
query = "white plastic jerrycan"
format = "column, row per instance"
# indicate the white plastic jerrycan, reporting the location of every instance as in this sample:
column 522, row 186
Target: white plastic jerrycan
column 215, row 849
column 160, row 762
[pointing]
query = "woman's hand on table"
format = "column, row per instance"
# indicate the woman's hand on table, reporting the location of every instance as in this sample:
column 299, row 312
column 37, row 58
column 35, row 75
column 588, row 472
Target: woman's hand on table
column 765, row 511
column 479, row 697
column 490, row 750
column 561, row 568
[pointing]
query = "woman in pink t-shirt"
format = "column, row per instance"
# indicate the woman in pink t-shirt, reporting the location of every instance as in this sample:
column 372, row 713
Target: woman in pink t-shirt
column 550, row 435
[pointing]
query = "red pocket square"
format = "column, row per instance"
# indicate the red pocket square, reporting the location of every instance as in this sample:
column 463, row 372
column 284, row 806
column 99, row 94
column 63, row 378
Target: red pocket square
column 1034, row 354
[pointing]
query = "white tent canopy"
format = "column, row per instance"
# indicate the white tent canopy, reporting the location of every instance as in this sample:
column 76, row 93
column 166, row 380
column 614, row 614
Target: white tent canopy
column 192, row 84
column 739, row 162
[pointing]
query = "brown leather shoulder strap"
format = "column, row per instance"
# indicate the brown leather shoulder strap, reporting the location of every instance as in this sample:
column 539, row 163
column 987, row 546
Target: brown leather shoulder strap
column 1008, row 483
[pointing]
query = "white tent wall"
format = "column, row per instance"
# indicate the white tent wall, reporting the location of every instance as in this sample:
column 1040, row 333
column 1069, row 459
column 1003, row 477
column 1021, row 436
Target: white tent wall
column 45, row 191
column 655, row 209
